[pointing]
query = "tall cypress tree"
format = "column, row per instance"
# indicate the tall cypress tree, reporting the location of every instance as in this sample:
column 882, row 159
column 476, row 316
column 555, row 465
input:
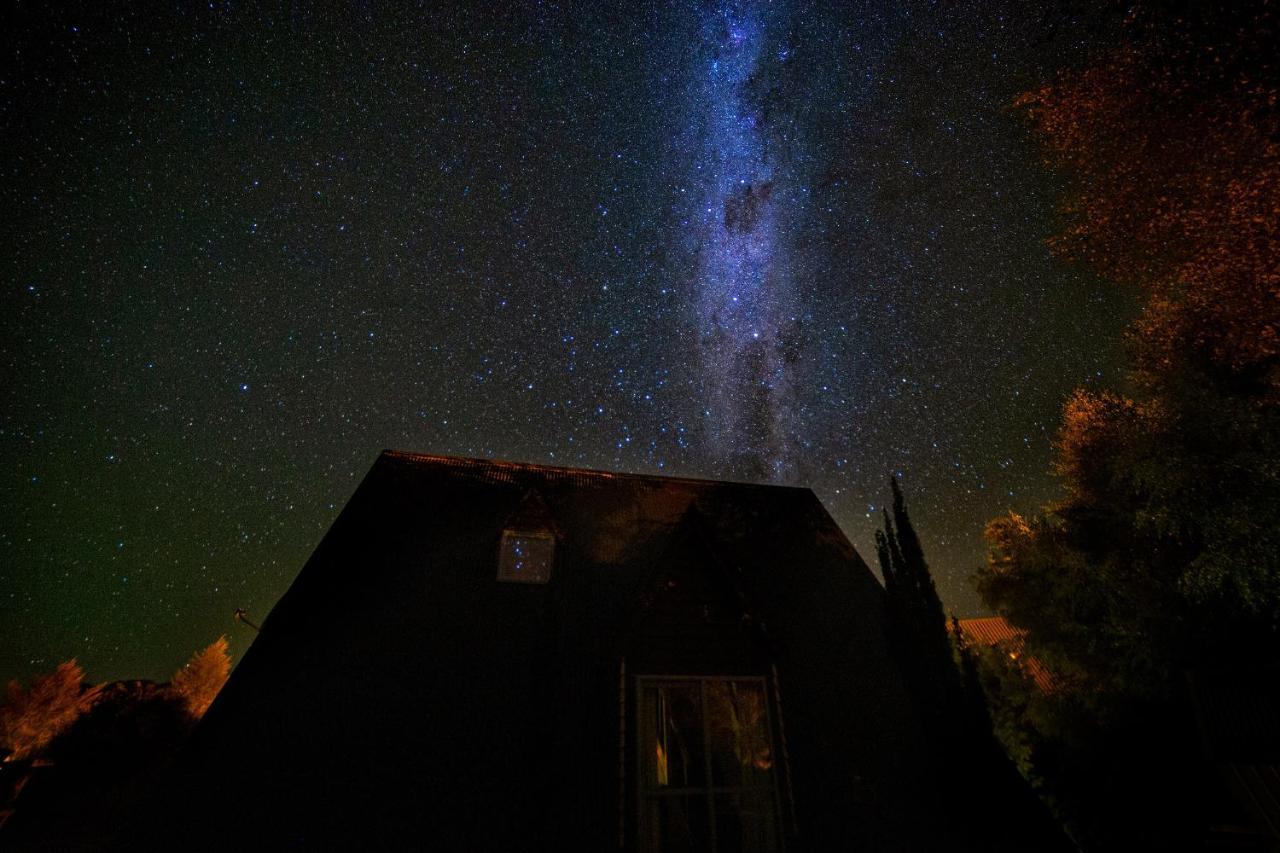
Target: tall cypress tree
column 928, row 617
column 919, row 626
column 894, row 553
column 925, row 592
column 975, row 700
column 950, row 701
column 886, row 564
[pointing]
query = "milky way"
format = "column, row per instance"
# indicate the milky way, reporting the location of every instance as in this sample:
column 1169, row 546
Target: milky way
column 246, row 249
column 747, row 322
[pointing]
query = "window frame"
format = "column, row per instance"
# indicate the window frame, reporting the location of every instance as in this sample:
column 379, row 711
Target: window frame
column 708, row 790
column 509, row 533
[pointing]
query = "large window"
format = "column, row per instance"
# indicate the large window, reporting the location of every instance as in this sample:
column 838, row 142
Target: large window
column 705, row 755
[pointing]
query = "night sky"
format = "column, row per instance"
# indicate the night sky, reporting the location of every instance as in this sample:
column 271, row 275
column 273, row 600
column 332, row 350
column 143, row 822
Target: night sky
column 245, row 250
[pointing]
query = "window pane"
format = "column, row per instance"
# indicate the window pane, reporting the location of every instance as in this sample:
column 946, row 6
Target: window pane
column 526, row 557
column 746, row 823
column 675, row 824
column 739, row 729
column 681, row 806
column 671, row 745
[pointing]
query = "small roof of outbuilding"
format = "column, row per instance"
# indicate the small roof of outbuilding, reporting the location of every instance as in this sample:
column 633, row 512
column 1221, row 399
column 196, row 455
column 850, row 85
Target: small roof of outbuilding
column 994, row 631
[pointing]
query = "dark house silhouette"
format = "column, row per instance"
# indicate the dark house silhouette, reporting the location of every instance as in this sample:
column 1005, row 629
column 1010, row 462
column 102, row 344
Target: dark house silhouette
column 495, row 656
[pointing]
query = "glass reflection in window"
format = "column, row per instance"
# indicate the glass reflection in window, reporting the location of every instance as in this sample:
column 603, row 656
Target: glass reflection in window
column 706, row 766
column 525, row 557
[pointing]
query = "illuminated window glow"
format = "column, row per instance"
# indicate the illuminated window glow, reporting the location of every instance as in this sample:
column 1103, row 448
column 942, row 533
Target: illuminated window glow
column 705, row 753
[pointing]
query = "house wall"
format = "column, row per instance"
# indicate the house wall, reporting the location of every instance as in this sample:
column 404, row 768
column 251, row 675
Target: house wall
column 398, row 695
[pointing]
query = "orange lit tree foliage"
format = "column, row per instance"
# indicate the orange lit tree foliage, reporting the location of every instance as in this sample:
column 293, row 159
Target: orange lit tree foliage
column 1172, row 144
column 199, row 681
column 1163, row 554
column 32, row 717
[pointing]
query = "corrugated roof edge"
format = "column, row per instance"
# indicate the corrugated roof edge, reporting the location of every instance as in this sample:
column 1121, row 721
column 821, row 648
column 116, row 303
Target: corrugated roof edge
column 566, row 471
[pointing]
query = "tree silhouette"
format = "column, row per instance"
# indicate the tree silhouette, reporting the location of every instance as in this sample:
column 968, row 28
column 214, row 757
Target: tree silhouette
column 950, row 702
column 1163, row 555
column 917, row 620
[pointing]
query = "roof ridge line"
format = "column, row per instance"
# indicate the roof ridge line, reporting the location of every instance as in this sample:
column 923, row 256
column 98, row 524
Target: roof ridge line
column 566, row 469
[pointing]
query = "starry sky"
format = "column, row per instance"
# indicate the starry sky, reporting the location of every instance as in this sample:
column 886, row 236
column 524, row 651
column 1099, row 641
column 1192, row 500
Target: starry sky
column 246, row 248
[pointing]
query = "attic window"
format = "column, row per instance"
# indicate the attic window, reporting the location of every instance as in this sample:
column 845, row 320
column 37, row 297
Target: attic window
column 525, row 556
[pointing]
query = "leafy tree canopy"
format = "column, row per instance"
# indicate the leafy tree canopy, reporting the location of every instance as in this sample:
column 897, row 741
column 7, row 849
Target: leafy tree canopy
column 1163, row 554
column 1165, row 550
